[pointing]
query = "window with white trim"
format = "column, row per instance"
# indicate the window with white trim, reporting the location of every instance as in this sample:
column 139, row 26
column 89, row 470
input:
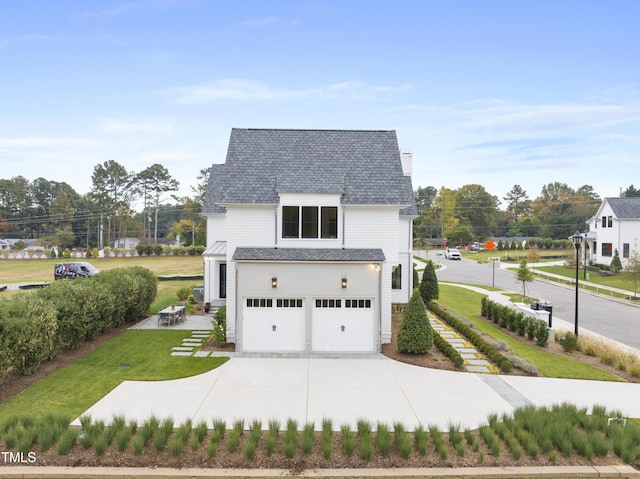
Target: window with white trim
column 310, row 222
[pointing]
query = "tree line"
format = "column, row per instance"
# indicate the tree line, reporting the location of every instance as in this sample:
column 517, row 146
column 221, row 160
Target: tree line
column 470, row 213
column 54, row 213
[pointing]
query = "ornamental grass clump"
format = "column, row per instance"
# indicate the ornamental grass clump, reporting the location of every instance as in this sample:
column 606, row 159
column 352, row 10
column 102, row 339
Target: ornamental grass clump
column 348, row 440
column 66, row 442
column 421, row 438
column 415, row 335
column 384, row 439
column 327, row 438
column 308, row 438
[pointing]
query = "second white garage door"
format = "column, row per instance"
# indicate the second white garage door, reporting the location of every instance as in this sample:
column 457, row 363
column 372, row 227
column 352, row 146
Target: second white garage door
column 343, row 325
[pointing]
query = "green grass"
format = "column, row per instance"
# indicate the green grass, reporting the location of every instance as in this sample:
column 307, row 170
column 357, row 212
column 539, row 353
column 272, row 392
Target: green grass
column 74, row 388
column 41, row 270
column 613, row 281
column 467, row 303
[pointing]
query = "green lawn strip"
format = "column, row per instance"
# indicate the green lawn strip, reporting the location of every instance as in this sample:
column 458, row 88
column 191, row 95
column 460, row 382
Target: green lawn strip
column 142, row 355
column 41, row 270
column 613, row 281
column 467, row 303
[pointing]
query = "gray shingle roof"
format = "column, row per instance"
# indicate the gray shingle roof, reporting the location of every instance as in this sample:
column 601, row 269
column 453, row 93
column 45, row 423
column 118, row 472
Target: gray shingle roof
column 625, row 208
column 308, row 254
column 363, row 166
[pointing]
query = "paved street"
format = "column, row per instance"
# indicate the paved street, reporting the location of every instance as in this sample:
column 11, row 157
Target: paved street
column 612, row 319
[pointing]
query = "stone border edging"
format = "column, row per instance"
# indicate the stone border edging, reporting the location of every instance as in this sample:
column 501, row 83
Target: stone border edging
column 37, row 472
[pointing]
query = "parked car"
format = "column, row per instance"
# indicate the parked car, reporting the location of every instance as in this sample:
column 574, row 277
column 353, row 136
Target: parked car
column 75, row 270
column 452, row 253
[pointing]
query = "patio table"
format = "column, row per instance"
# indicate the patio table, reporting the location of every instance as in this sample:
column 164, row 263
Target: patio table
column 171, row 315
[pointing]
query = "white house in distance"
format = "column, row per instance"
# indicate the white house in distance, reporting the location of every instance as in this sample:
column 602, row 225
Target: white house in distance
column 616, row 225
column 309, row 238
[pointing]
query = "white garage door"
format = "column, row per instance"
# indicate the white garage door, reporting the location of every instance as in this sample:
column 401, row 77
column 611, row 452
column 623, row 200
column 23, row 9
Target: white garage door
column 273, row 324
column 343, row 325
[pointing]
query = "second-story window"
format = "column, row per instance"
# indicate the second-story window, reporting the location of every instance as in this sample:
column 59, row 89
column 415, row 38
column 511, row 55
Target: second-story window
column 290, row 223
column 310, row 222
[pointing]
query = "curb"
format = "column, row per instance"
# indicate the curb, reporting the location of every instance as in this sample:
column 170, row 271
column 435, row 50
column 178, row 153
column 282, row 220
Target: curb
column 25, row 472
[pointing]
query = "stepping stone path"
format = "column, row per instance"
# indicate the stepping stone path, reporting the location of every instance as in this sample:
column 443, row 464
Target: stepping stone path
column 190, row 346
column 474, row 361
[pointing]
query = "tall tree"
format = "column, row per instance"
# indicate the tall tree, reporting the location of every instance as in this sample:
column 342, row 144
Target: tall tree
column 630, row 192
column 518, row 202
column 476, row 208
column 200, row 189
column 424, row 197
column 112, row 187
column 159, row 181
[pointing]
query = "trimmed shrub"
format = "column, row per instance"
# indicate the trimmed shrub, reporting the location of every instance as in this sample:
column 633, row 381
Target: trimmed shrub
column 219, row 322
column 542, row 332
column 415, row 335
column 569, row 342
column 27, row 334
column 429, row 286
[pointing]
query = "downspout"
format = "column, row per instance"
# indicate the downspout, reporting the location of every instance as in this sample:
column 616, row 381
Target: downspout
column 379, row 345
column 275, row 229
column 343, row 227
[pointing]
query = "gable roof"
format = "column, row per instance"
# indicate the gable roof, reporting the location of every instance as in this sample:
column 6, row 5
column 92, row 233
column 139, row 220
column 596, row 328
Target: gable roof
column 362, row 166
column 625, row 208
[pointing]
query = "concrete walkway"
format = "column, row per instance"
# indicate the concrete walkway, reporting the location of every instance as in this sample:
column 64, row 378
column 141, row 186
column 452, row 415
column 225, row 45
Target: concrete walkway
column 345, row 390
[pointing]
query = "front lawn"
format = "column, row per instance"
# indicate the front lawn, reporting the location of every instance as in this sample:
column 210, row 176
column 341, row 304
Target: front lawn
column 467, row 303
column 134, row 355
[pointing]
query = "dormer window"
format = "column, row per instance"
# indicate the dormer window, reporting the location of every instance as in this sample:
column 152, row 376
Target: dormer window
column 310, row 222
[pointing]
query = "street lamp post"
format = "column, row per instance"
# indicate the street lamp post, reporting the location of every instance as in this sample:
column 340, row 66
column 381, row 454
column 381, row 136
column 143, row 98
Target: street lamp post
column 577, row 241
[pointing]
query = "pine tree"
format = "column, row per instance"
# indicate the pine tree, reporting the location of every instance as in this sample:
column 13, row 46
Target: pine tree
column 415, row 335
column 429, row 285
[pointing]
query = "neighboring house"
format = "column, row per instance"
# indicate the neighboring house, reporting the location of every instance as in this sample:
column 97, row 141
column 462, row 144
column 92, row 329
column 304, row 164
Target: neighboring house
column 616, row 226
column 309, row 238
column 126, row 243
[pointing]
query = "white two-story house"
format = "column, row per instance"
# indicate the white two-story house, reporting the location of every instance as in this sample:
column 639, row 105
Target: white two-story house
column 616, row 226
column 309, row 238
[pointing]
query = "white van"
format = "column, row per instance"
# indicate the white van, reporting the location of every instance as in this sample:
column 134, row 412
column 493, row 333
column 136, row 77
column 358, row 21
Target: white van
column 74, row 270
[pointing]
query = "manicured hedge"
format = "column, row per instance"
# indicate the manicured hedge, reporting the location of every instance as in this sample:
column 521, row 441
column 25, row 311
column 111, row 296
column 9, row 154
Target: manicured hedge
column 34, row 325
column 485, row 348
column 448, row 350
column 27, row 334
column 516, row 321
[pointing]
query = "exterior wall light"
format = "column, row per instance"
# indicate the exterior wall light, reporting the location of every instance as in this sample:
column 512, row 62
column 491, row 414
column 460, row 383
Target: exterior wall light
column 274, row 282
column 344, row 282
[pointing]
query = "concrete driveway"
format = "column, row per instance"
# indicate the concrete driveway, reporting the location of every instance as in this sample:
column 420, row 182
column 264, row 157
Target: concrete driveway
column 345, row 390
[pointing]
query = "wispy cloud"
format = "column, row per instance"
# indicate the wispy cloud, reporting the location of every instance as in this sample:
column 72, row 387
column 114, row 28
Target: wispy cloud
column 258, row 22
column 45, row 142
column 127, row 8
column 155, row 125
column 23, row 38
column 233, row 89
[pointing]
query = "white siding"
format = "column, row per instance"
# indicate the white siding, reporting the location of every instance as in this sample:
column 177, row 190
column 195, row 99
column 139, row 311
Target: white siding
column 368, row 227
column 250, row 227
column 216, row 228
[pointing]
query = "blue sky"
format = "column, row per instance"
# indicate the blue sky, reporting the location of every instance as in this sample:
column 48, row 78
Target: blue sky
column 490, row 92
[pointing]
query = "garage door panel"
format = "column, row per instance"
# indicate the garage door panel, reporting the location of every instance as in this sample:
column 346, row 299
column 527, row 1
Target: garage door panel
column 342, row 328
column 274, row 328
